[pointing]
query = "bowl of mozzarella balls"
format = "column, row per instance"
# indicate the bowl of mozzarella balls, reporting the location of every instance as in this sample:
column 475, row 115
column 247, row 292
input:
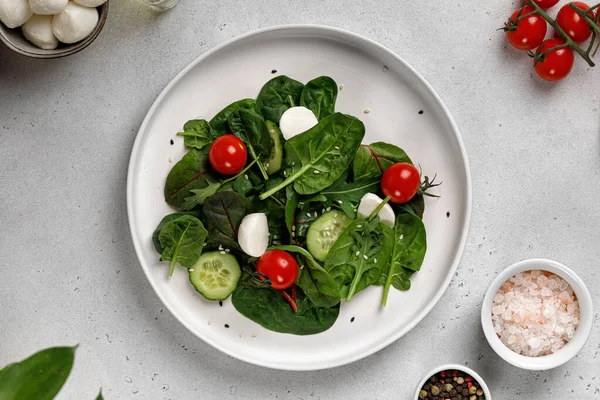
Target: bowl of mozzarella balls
column 51, row 28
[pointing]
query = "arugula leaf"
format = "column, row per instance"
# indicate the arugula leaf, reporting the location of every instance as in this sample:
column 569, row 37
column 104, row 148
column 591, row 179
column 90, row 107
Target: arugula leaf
column 316, row 158
column 252, row 129
column 410, row 245
column 40, row 377
column 372, row 160
column 193, row 171
column 163, row 222
column 196, row 134
column 199, row 196
column 277, row 95
column 222, row 214
column 219, row 123
column 268, row 308
column 319, row 96
column 182, row 241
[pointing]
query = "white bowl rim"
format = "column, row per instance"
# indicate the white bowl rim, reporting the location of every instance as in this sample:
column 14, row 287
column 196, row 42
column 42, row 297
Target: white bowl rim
column 465, row 369
column 582, row 332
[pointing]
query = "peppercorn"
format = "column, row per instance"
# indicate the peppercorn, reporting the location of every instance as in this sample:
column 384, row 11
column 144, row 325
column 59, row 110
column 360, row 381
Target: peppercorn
column 422, row 394
column 435, row 390
column 460, row 380
column 479, row 392
column 472, row 390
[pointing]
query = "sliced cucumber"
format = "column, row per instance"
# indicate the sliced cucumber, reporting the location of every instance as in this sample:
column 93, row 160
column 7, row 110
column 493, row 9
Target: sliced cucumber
column 215, row 275
column 324, row 231
column 273, row 164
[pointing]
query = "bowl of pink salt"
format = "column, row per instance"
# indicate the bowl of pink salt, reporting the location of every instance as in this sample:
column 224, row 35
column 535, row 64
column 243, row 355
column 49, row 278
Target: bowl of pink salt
column 537, row 314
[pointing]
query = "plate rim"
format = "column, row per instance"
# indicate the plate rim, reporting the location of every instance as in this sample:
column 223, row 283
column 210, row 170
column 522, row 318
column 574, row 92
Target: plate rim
column 455, row 131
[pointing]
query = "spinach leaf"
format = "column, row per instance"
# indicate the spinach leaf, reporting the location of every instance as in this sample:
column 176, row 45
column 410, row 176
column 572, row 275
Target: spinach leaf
column 39, row 377
column 182, row 241
column 316, row 158
column 372, row 160
column 252, row 129
column 306, row 283
column 268, row 308
column 163, row 222
column 222, row 214
column 410, row 245
column 277, row 95
column 416, row 205
column 196, row 134
column 348, row 195
column 358, row 257
column 252, row 279
column 193, row 171
column 219, row 122
column 249, row 184
column 319, row 96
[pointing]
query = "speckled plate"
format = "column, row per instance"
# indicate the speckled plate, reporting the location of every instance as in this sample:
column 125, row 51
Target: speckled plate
column 404, row 110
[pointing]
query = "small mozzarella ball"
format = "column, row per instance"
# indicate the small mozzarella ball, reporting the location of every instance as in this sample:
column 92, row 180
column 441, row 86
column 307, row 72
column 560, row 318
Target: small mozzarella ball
column 38, row 30
column 14, row 13
column 74, row 23
column 296, row 120
column 90, row 3
column 253, row 234
column 47, row 7
column 368, row 204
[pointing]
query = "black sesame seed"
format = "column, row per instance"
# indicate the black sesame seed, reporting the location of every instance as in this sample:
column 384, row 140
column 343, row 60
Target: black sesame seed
column 172, row 142
column 420, row 112
column 448, row 214
column 220, row 303
column 352, row 319
column 274, row 71
column 226, row 325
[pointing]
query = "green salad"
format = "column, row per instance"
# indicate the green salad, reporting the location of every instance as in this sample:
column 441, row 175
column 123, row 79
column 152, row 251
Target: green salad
column 281, row 206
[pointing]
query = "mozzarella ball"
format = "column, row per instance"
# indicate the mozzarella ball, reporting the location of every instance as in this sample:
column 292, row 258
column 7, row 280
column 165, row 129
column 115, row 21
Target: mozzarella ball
column 38, row 30
column 47, row 7
column 253, row 234
column 369, row 202
column 74, row 23
column 296, row 120
column 90, row 3
column 14, row 13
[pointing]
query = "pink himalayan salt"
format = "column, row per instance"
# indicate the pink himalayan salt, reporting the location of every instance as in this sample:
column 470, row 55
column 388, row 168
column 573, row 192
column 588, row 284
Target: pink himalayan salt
column 535, row 313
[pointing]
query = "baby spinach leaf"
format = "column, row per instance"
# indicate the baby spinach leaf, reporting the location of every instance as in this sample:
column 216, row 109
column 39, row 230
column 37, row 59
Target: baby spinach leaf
column 410, row 245
column 316, row 158
column 358, row 257
column 277, row 95
column 222, row 214
column 306, row 283
column 416, row 205
column 268, row 308
column 251, row 128
column 291, row 206
column 319, row 96
column 163, row 222
column 182, row 241
column 196, row 134
column 348, row 195
column 193, row 171
column 219, row 123
column 39, row 377
column 372, row 160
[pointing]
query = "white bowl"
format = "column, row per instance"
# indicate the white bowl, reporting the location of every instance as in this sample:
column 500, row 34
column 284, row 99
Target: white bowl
column 570, row 349
column 469, row 371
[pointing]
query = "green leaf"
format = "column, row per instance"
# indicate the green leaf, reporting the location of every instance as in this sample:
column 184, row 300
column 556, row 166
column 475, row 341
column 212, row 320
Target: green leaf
column 348, row 195
column 319, row 96
column 100, row 396
column 291, row 206
column 222, row 214
column 277, row 95
column 38, row 377
column 219, row 123
column 163, row 222
column 252, row 129
column 199, row 196
column 410, row 246
column 306, row 282
column 193, row 171
column 268, row 308
column 182, row 241
column 372, row 160
column 196, row 134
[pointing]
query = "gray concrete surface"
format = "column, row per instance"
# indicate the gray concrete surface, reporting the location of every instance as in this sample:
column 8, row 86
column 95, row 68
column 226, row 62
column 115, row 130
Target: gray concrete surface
column 68, row 271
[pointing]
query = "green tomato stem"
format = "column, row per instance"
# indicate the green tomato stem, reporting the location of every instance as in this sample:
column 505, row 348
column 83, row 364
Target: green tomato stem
column 584, row 14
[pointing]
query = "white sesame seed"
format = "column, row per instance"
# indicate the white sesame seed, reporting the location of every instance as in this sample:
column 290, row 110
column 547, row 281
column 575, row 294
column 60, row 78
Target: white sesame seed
column 337, row 147
column 359, row 226
column 300, row 204
column 170, row 160
column 323, row 211
column 274, row 236
column 340, row 202
column 367, row 110
column 316, row 214
column 191, row 269
column 293, row 228
column 293, row 234
column 227, row 250
column 365, row 257
column 267, row 165
column 328, row 209
column 276, row 243
column 375, row 261
column 357, row 253
column 316, row 172
column 294, row 163
column 284, row 173
column 302, row 266
column 308, row 215
column 246, row 176
column 401, row 237
column 341, row 87
column 205, row 244
column 254, row 335
column 222, row 252
column 220, row 247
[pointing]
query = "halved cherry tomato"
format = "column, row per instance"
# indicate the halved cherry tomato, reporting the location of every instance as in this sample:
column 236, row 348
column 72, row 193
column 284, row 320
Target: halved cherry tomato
column 573, row 24
column 228, row 154
column 401, row 181
column 557, row 64
column 544, row 4
column 530, row 31
column 280, row 267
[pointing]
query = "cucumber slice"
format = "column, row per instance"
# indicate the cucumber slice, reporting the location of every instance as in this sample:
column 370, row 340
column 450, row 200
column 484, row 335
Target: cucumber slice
column 324, row 231
column 273, row 164
column 215, row 275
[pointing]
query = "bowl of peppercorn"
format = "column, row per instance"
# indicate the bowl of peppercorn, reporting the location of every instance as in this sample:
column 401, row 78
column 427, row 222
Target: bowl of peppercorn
column 452, row 381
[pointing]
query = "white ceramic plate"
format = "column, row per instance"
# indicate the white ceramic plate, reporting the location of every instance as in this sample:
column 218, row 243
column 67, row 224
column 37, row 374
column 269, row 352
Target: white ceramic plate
column 373, row 78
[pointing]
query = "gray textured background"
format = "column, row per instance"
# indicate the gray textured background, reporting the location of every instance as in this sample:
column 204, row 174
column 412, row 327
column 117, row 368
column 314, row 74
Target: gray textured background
column 68, row 271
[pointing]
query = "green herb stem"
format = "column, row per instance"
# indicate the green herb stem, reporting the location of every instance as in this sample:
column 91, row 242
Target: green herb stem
column 283, row 184
column 379, row 207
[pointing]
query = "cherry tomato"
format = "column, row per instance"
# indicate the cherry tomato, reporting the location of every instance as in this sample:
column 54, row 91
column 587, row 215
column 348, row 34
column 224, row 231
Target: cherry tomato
column 544, row 4
column 280, row 267
column 573, row 24
column 401, row 181
column 228, row 154
column 530, row 31
column 557, row 64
